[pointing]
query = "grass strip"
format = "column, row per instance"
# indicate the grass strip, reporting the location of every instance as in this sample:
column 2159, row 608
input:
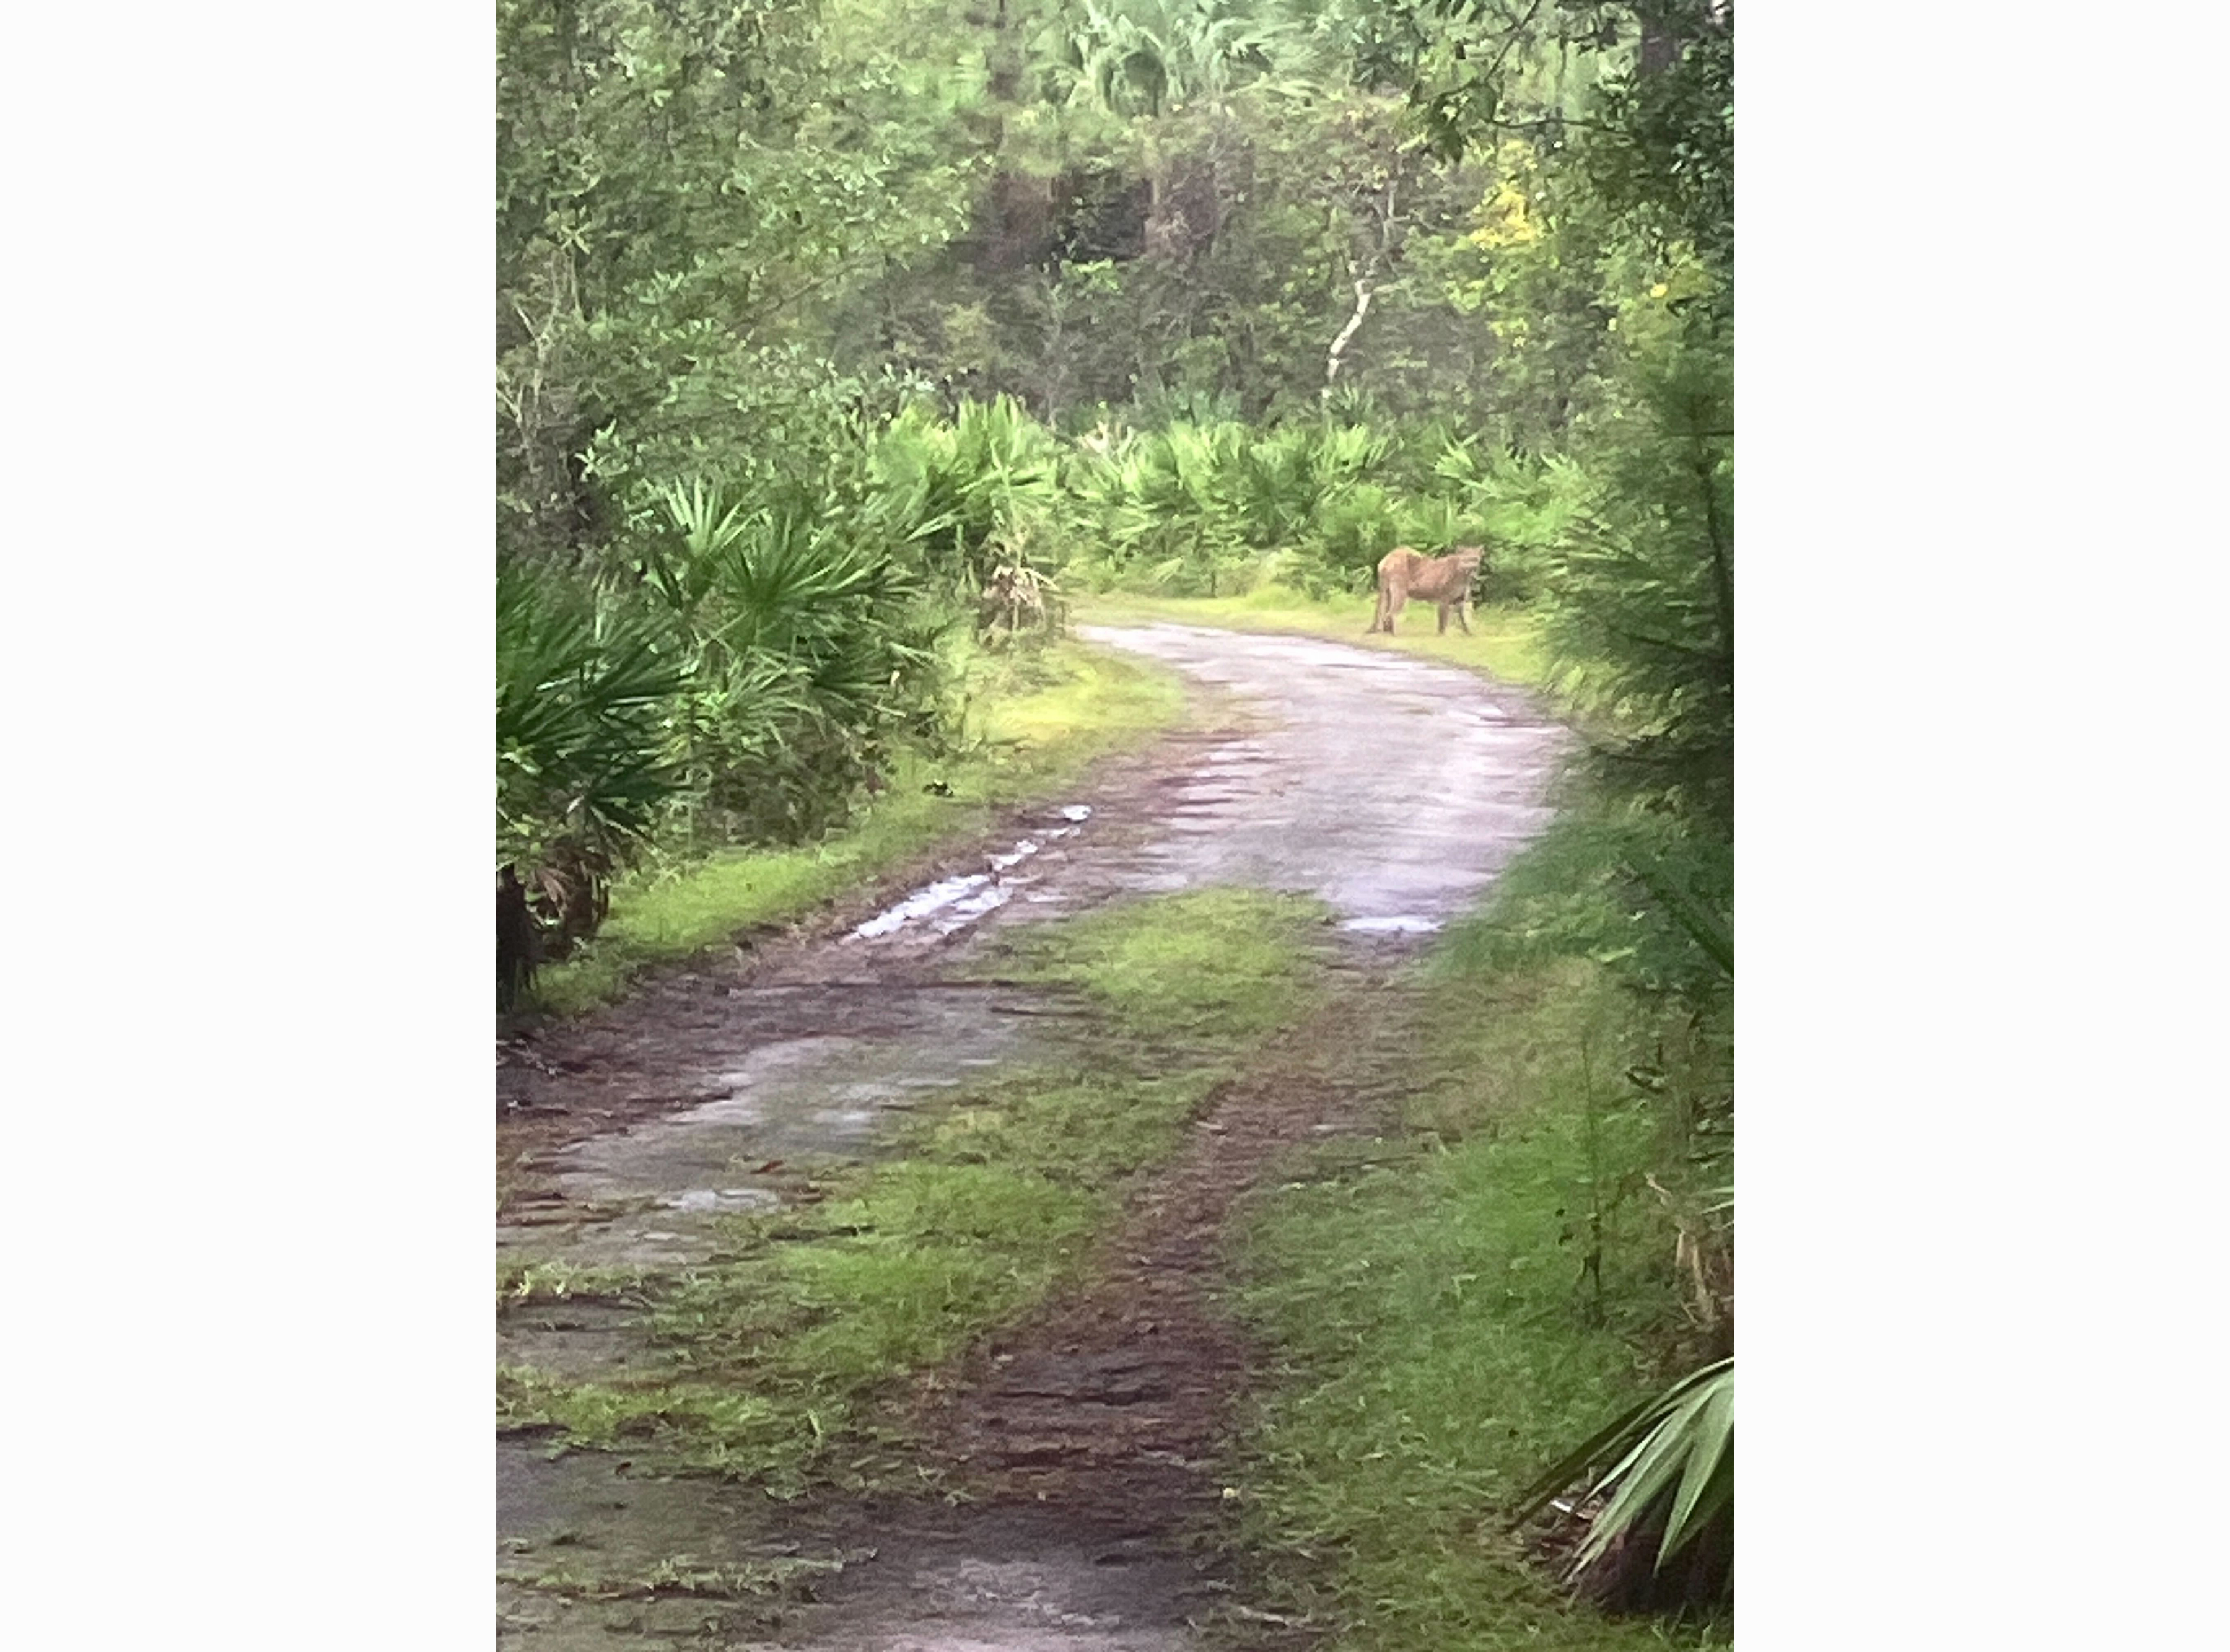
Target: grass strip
column 1223, row 966
column 1438, row 1336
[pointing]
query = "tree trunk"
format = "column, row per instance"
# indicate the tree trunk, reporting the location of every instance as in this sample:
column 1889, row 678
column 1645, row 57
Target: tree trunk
column 1363, row 289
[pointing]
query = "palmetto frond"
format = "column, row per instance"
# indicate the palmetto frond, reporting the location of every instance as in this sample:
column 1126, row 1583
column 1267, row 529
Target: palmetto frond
column 1144, row 57
column 581, row 685
column 1672, row 1454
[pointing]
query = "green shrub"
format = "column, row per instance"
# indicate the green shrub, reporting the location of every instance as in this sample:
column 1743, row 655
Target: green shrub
column 583, row 683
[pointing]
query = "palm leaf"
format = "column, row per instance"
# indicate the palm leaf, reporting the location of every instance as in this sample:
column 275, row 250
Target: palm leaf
column 1680, row 1441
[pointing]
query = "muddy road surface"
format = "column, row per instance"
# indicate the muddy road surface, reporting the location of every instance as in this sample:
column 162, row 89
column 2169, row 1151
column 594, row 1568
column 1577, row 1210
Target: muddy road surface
column 1081, row 1442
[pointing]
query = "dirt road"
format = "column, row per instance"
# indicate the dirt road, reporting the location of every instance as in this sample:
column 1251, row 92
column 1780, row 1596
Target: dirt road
column 1391, row 789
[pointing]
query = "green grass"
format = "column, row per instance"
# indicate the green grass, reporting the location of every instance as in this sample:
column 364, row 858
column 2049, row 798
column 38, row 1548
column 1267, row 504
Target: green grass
column 1214, row 966
column 1506, row 643
column 1032, row 730
column 1436, row 1337
column 517, row 1284
column 772, row 1364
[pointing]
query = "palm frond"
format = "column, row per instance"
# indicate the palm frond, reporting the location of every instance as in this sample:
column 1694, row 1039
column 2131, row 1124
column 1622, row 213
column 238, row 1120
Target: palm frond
column 1676, row 1447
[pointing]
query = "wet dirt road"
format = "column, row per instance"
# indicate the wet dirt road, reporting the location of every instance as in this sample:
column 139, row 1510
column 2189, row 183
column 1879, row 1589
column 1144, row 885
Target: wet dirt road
column 1392, row 789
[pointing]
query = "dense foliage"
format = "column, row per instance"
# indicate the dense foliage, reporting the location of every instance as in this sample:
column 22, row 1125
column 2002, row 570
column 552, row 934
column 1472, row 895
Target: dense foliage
column 837, row 340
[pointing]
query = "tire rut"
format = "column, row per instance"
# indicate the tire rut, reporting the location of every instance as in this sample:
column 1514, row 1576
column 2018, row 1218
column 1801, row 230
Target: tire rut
column 1114, row 1396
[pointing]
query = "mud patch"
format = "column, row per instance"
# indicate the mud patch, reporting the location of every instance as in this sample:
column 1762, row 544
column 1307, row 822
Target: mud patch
column 575, row 1340
column 591, row 1556
column 765, row 1109
column 1010, row 1580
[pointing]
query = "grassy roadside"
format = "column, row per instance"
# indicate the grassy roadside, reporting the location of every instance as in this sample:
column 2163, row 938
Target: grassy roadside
column 1035, row 724
column 1437, row 1335
column 767, row 1364
column 1505, row 644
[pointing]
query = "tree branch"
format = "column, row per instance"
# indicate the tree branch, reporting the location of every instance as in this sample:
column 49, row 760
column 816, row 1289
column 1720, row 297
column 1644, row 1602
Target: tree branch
column 1720, row 656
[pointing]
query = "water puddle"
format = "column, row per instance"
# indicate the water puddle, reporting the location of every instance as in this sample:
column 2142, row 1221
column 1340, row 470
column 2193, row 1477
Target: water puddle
column 1399, row 924
column 723, row 1198
column 934, row 897
column 956, row 902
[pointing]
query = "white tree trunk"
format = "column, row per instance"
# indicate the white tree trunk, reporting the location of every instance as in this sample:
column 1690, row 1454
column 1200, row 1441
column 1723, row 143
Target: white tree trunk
column 1363, row 289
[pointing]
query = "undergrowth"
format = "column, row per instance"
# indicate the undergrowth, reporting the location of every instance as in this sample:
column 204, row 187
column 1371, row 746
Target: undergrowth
column 1445, row 1325
column 1034, row 721
column 771, row 1365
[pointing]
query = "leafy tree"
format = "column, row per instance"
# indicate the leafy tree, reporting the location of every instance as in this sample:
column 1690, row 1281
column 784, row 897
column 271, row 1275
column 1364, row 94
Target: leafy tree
column 982, row 491
column 1666, row 1470
column 1644, row 595
column 677, row 184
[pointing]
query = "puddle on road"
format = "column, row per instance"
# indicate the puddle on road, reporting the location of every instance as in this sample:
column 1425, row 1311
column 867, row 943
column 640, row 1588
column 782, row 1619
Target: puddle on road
column 946, row 891
column 1402, row 924
column 723, row 1199
column 957, row 901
